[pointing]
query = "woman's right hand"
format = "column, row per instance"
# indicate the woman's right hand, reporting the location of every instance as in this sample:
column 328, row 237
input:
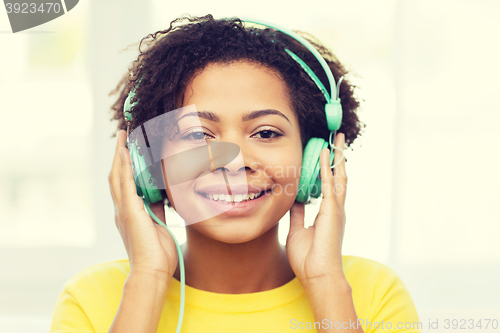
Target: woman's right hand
column 150, row 247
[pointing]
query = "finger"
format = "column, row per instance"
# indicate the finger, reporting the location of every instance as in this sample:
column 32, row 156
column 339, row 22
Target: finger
column 326, row 177
column 130, row 199
column 340, row 175
column 114, row 175
column 297, row 213
column 328, row 205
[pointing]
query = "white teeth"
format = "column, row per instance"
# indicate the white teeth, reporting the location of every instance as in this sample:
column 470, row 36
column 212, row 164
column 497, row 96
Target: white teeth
column 232, row 198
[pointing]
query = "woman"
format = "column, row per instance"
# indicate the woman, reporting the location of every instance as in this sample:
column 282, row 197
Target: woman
column 223, row 81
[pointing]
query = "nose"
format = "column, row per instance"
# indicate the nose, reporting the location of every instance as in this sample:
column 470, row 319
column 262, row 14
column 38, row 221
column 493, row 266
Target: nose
column 227, row 156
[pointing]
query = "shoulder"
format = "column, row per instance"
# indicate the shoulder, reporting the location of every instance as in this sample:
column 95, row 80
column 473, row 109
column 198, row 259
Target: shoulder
column 90, row 298
column 359, row 269
column 378, row 292
column 366, row 275
column 379, row 295
column 109, row 276
column 104, row 270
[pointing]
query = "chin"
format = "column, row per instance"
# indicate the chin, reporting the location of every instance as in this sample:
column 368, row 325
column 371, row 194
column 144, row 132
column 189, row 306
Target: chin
column 233, row 231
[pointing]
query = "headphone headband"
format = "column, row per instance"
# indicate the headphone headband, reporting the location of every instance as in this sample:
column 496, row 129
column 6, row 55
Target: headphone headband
column 333, row 95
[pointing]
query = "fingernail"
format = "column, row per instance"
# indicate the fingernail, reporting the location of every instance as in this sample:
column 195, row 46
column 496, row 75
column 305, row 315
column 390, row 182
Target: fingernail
column 121, row 153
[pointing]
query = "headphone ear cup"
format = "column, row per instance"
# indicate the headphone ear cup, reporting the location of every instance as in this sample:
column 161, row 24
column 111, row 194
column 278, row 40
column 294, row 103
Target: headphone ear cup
column 316, row 187
column 310, row 170
column 144, row 183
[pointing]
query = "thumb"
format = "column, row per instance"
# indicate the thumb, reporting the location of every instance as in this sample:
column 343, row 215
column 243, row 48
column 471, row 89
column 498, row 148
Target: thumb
column 297, row 217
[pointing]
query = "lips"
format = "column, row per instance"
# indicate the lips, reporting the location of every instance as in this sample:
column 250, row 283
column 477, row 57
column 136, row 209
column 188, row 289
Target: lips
column 231, row 208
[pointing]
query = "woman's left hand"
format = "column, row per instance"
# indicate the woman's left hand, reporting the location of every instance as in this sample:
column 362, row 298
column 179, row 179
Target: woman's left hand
column 316, row 252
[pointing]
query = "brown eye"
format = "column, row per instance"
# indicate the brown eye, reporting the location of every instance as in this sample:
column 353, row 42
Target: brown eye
column 268, row 134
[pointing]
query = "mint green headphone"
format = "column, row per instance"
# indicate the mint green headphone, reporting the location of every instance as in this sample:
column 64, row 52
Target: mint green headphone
column 310, row 184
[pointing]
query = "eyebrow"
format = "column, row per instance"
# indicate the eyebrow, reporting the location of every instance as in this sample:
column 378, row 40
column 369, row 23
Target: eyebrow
column 209, row 115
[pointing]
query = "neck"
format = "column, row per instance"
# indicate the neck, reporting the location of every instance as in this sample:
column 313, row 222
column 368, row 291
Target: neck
column 258, row 265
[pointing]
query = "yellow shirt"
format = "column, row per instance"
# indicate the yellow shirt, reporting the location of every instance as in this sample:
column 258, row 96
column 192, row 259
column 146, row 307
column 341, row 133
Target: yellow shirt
column 90, row 300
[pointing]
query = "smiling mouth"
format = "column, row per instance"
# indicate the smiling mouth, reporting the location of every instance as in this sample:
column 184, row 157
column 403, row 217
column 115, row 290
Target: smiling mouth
column 228, row 198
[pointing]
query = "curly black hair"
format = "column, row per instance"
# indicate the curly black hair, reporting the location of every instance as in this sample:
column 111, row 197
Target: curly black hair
column 169, row 59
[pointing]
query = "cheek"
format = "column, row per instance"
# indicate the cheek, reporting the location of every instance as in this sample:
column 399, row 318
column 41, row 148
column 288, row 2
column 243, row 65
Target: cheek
column 285, row 174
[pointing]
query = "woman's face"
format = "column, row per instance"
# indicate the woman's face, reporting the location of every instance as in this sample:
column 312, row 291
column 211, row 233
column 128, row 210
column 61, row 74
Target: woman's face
column 247, row 105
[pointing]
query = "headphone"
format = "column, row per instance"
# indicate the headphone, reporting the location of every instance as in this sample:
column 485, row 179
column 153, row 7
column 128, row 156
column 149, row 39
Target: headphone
column 310, row 183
